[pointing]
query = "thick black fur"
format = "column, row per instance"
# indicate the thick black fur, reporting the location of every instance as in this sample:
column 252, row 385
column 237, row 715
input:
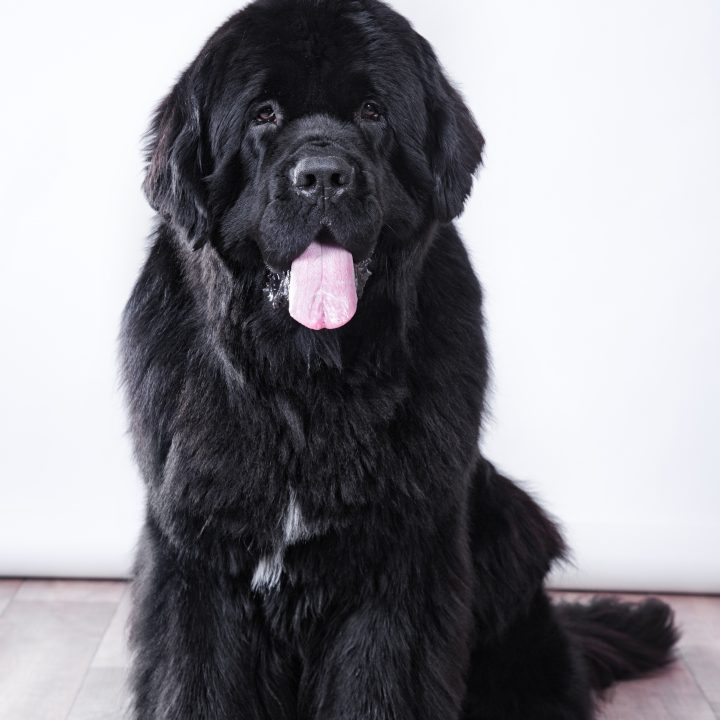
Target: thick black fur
column 323, row 538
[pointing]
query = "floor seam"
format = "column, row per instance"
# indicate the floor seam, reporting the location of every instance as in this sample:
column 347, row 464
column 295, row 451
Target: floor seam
column 84, row 678
column 701, row 690
column 12, row 597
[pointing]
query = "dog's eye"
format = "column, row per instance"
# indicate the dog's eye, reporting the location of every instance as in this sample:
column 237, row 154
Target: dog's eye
column 370, row 111
column 266, row 114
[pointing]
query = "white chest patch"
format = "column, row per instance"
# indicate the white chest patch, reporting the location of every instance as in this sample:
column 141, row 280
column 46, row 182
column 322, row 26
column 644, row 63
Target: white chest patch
column 267, row 573
column 296, row 528
column 270, row 567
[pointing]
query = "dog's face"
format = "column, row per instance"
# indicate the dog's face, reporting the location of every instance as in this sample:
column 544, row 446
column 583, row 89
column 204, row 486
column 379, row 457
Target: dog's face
column 308, row 136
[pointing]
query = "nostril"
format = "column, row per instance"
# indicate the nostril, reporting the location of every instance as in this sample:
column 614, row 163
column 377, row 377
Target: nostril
column 305, row 180
column 338, row 180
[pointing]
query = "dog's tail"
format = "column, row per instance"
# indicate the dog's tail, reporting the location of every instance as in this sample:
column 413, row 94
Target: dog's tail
column 621, row 640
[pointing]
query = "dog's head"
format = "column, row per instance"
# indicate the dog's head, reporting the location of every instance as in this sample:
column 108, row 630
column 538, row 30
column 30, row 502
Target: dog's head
column 309, row 137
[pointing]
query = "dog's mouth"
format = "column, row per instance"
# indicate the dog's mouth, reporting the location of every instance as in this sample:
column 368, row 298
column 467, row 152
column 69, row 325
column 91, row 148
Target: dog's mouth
column 322, row 287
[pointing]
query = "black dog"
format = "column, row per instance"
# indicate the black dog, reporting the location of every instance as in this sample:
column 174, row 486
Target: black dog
column 305, row 368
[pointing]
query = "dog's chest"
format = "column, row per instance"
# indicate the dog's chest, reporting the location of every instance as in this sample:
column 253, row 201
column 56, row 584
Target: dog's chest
column 295, row 529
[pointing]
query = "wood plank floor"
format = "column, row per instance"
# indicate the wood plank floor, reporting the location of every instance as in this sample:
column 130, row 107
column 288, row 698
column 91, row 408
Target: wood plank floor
column 63, row 656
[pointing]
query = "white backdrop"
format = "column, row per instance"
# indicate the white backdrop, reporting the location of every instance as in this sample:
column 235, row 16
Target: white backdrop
column 595, row 228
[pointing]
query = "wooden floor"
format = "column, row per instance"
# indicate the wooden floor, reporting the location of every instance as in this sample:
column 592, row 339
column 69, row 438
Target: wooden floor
column 63, row 656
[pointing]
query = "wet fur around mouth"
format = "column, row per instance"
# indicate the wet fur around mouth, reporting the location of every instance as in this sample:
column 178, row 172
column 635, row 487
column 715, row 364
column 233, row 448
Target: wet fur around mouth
column 323, row 537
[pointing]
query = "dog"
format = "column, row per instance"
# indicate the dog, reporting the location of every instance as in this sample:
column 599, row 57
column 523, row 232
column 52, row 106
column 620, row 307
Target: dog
column 305, row 370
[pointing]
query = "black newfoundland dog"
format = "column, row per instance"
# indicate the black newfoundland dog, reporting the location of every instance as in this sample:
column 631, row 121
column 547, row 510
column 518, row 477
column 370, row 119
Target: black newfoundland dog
column 305, row 369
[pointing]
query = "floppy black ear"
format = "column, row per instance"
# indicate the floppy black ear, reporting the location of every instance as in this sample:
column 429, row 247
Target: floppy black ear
column 455, row 143
column 176, row 165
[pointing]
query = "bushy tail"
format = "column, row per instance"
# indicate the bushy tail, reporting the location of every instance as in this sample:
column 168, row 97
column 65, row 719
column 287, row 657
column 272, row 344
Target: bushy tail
column 621, row 640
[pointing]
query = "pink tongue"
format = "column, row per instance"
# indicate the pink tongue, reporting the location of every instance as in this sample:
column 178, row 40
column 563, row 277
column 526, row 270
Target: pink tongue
column 322, row 287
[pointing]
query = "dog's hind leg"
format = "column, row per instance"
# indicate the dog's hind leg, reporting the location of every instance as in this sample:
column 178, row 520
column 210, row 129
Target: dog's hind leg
column 531, row 671
column 532, row 660
column 524, row 665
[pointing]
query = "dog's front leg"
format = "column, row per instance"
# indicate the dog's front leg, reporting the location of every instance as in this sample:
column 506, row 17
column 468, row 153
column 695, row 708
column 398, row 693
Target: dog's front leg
column 395, row 656
column 201, row 649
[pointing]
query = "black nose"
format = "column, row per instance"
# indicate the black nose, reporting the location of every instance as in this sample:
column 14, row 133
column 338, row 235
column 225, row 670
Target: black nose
column 322, row 176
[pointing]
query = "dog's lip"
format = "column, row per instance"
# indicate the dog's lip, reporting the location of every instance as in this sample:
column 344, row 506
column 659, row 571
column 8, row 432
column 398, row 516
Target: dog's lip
column 324, row 236
column 363, row 262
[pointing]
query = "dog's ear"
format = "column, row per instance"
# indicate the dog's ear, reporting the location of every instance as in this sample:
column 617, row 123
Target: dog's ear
column 454, row 142
column 177, row 163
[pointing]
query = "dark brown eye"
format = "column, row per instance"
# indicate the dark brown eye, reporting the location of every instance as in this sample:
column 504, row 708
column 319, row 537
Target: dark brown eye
column 266, row 114
column 370, row 111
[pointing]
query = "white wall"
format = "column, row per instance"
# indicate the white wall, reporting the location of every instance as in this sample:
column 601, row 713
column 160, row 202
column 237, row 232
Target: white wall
column 594, row 228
